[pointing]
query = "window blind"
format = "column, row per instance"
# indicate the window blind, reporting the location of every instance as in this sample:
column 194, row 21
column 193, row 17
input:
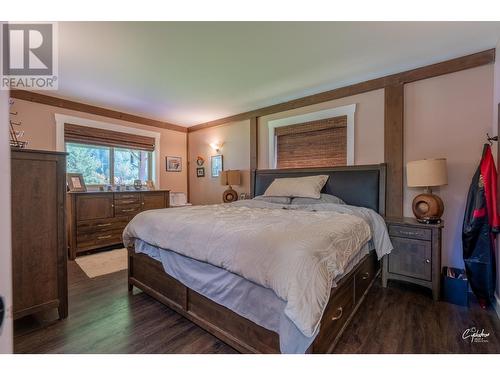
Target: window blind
column 320, row 143
column 102, row 137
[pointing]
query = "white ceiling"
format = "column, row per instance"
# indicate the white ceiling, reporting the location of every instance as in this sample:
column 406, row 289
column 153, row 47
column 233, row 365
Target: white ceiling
column 189, row 73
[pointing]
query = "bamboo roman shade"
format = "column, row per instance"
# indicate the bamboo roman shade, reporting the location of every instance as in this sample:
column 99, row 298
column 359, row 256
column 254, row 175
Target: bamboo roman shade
column 320, row 143
column 102, row 137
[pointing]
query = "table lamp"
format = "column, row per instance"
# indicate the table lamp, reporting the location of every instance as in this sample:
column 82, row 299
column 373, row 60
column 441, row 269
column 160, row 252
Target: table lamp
column 230, row 178
column 427, row 207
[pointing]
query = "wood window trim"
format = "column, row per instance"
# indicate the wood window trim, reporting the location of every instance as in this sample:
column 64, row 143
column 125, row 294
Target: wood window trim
column 347, row 110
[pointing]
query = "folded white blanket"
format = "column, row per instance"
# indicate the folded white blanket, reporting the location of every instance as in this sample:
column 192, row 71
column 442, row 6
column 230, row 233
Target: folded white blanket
column 296, row 253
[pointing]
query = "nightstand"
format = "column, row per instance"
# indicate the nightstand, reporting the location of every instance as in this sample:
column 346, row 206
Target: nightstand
column 416, row 257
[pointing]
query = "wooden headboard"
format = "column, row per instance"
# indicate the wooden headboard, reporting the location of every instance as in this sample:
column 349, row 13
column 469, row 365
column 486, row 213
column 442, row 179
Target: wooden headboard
column 357, row 185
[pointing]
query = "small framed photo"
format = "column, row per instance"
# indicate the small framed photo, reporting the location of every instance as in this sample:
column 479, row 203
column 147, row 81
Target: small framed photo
column 200, row 172
column 174, row 163
column 243, row 196
column 75, row 182
column 216, row 165
column 150, row 185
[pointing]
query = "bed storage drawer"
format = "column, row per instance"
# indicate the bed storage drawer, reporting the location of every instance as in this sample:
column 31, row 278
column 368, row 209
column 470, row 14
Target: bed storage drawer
column 220, row 316
column 151, row 273
column 364, row 276
column 336, row 313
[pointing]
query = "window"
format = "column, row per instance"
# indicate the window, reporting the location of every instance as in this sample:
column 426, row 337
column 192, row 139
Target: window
column 101, row 165
column 319, row 143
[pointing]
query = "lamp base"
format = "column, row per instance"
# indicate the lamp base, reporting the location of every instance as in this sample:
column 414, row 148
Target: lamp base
column 428, row 208
column 230, row 195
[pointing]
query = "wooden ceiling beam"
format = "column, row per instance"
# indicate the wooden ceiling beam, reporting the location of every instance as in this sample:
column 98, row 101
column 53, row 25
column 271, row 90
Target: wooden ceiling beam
column 94, row 110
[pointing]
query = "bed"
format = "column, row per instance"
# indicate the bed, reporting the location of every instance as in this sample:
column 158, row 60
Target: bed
column 249, row 309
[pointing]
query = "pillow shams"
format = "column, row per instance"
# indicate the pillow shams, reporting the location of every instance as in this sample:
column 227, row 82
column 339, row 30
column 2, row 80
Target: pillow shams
column 306, row 187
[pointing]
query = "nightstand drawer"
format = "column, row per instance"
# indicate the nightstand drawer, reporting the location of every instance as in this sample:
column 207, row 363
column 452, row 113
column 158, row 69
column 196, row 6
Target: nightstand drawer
column 412, row 258
column 410, row 232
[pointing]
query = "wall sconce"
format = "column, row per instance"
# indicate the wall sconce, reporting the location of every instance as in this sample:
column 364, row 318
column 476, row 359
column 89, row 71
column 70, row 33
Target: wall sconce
column 216, row 146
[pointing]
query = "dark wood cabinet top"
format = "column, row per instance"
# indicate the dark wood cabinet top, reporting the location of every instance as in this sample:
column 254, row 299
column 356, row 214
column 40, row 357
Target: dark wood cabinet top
column 118, row 192
column 411, row 222
column 28, row 151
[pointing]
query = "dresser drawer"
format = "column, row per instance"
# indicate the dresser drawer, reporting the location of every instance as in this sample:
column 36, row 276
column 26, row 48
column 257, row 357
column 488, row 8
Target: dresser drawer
column 127, row 196
column 336, row 313
column 410, row 232
column 103, row 225
column 364, row 277
column 127, row 210
column 411, row 258
column 94, row 240
column 123, row 199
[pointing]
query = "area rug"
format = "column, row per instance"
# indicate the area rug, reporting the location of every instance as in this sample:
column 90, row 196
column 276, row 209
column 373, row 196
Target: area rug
column 99, row 264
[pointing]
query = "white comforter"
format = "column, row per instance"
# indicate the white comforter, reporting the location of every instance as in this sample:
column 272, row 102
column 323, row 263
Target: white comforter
column 295, row 252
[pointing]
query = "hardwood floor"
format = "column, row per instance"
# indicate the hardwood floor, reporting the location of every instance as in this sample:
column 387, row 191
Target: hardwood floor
column 105, row 318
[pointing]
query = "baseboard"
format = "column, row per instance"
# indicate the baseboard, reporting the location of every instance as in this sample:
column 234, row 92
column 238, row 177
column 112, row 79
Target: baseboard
column 497, row 306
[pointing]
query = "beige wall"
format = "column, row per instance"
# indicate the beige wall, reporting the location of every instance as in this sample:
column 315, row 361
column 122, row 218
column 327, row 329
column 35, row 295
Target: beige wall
column 368, row 126
column 448, row 116
column 235, row 137
column 38, row 123
column 5, row 247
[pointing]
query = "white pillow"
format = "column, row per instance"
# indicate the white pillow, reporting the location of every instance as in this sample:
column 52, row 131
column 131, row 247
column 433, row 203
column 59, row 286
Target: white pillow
column 306, row 187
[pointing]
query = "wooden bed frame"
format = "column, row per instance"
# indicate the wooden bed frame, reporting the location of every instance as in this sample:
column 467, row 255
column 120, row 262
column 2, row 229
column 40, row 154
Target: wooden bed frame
column 242, row 334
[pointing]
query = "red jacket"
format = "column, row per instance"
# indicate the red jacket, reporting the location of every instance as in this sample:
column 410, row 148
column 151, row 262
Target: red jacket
column 489, row 179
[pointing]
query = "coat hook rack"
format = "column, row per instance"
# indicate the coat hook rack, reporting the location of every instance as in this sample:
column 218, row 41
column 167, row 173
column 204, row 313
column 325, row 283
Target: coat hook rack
column 491, row 139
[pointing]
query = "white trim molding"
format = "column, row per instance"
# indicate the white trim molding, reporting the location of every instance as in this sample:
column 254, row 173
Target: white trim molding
column 65, row 119
column 348, row 110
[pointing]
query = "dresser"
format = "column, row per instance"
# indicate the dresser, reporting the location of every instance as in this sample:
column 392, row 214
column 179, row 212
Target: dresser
column 416, row 257
column 97, row 219
column 39, row 256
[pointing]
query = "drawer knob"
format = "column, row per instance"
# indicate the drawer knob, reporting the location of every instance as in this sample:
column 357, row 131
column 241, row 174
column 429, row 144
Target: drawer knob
column 427, row 261
column 365, row 276
column 339, row 314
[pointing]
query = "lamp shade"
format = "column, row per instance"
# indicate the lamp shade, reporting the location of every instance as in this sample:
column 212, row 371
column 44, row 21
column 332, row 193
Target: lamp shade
column 426, row 173
column 230, row 177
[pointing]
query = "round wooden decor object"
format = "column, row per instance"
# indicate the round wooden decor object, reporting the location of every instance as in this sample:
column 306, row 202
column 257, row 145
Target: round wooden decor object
column 427, row 206
column 230, row 196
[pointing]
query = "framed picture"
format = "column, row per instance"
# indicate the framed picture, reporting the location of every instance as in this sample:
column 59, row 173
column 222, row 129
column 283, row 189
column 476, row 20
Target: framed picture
column 216, row 165
column 200, row 172
column 75, row 182
column 174, row 164
column 200, row 161
column 150, row 185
